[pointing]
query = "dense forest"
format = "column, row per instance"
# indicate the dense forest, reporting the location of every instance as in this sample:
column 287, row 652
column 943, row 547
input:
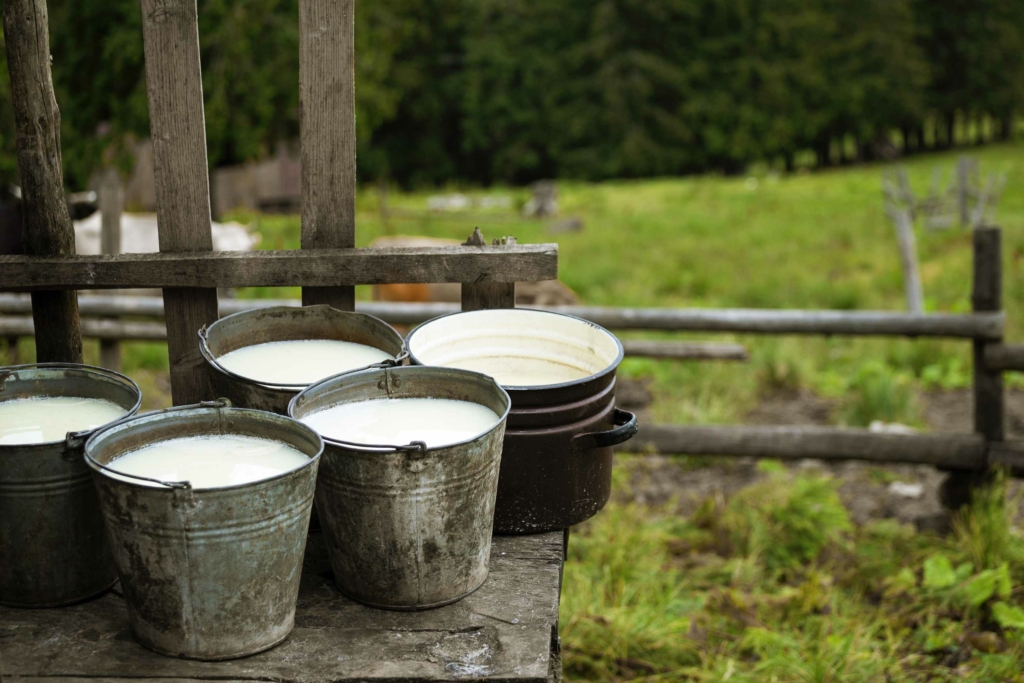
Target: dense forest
column 513, row 90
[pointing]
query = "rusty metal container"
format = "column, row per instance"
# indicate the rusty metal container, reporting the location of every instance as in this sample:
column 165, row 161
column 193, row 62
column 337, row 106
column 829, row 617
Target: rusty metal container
column 408, row 527
column 285, row 323
column 52, row 548
column 210, row 573
column 559, row 370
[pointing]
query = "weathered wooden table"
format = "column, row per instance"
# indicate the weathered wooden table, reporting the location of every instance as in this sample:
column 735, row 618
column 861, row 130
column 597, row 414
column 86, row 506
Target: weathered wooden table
column 506, row 631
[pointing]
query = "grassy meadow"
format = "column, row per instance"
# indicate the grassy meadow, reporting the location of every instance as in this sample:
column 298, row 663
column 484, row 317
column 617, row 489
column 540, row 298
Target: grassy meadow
column 776, row 583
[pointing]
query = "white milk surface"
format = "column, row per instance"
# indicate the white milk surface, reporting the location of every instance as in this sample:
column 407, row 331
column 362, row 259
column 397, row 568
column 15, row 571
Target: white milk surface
column 210, row 461
column 299, row 362
column 50, row 418
column 399, row 421
column 522, row 371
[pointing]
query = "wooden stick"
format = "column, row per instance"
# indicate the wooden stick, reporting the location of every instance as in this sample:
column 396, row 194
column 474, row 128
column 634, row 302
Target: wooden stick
column 989, row 409
column 1004, row 357
column 961, row 451
column 170, row 32
column 328, row 129
column 47, row 223
column 304, row 267
column 111, row 205
column 880, row 323
column 672, row 350
column 904, row 221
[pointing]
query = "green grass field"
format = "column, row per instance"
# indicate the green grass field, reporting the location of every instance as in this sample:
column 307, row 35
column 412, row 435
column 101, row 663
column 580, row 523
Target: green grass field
column 775, row 584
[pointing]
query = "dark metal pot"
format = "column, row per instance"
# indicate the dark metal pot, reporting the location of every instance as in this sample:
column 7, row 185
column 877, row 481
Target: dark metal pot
column 209, row 573
column 285, row 323
column 407, row 526
column 52, row 548
column 556, row 465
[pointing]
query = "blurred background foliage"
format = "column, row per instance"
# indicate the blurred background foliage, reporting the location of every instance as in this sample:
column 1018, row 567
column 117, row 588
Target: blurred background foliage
column 485, row 91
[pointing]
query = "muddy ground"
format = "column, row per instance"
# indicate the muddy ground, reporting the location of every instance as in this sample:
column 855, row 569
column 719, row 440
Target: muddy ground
column 909, row 493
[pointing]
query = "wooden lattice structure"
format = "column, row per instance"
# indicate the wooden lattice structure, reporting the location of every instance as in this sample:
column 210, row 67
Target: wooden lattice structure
column 508, row 630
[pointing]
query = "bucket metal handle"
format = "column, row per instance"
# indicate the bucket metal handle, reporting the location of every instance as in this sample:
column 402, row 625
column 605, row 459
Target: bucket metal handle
column 411, row 447
column 187, row 485
column 625, row 429
column 204, row 349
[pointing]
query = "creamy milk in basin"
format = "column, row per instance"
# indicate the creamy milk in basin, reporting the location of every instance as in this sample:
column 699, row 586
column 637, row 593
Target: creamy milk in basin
column 299, row 362
column 46, row 419
column 398, row 421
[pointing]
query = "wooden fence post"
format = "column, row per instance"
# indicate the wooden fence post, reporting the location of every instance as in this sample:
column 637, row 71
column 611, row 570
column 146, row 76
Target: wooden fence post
column 989, row 413
column 170, row 31
column 47, row 223
column 481, row 295
column 328, row 135
column 111, row 206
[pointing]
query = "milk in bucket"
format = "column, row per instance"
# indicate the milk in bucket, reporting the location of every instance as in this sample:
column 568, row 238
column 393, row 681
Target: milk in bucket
column 209, row 461
column 435, row 421
column 46, row 419
column 299, row 362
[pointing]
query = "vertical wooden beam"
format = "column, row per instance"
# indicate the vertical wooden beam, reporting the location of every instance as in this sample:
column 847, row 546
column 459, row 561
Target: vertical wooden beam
column 47, row 223
column 111, row 207
column 481, row 295
column 328, row 128
column 175, row 87
column 989, row 409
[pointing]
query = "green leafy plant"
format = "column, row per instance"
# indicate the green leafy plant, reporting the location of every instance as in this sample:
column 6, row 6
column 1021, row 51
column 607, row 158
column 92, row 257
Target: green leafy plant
column 876, row 392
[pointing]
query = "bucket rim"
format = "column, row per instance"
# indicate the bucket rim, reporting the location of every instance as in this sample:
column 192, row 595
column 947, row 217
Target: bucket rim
column 203, row 407
column 610, row 368
column 212, row 359
column 7, row 370
column 405, row 369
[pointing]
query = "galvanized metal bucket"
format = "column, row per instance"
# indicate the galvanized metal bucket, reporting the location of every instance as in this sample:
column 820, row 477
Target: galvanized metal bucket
column 52, row 548
column 208, row 573
column 556, row 465
column 285, row 323
column 408, row 527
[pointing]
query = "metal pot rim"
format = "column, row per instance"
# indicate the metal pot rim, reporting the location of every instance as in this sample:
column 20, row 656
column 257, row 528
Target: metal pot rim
column 405, row 369
column 534, row 387
column 288, row 389
column 86, row 369
column 205, row 406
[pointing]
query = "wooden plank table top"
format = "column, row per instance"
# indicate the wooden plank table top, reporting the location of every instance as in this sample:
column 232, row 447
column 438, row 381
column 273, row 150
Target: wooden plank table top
column 506, row 631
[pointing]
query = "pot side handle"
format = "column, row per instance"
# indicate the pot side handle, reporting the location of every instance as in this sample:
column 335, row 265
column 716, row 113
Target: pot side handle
column 625, row 429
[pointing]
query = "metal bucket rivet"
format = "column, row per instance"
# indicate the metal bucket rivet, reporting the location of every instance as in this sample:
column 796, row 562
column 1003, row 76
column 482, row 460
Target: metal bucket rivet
column 53, row 550
column 207, row 573
column 408, row 527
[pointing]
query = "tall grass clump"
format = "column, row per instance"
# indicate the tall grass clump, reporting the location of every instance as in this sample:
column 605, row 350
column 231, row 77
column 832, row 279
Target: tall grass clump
column 877, row 392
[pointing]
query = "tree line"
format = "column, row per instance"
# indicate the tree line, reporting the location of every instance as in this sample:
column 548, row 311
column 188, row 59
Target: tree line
column 514, row 90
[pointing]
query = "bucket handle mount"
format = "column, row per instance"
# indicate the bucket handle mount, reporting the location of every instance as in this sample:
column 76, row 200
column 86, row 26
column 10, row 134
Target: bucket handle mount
column 625, row 429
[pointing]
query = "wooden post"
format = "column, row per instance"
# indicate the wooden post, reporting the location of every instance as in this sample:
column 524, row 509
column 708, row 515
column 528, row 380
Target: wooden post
column 989, row 413
column 170, row 31
column 47, row 223
column 111, row 206
column 478, row 296
column 908, row 260
column 328, row 132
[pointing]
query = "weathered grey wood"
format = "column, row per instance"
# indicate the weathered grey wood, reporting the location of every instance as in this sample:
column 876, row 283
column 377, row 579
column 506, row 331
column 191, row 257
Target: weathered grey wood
column 501, row 632
column 673, row 350
column 989, row 408
column 904, row 222
column 328, row 130
column 103, row 329
column 1007, row 454
column 170, row 31
column 1004, row 357
column 111, row 205
column 476, row 297
column 958, row 451
column 985, row 325
column 786, row 321
column 46, row 222
column 320, row 267
column 482, row 295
